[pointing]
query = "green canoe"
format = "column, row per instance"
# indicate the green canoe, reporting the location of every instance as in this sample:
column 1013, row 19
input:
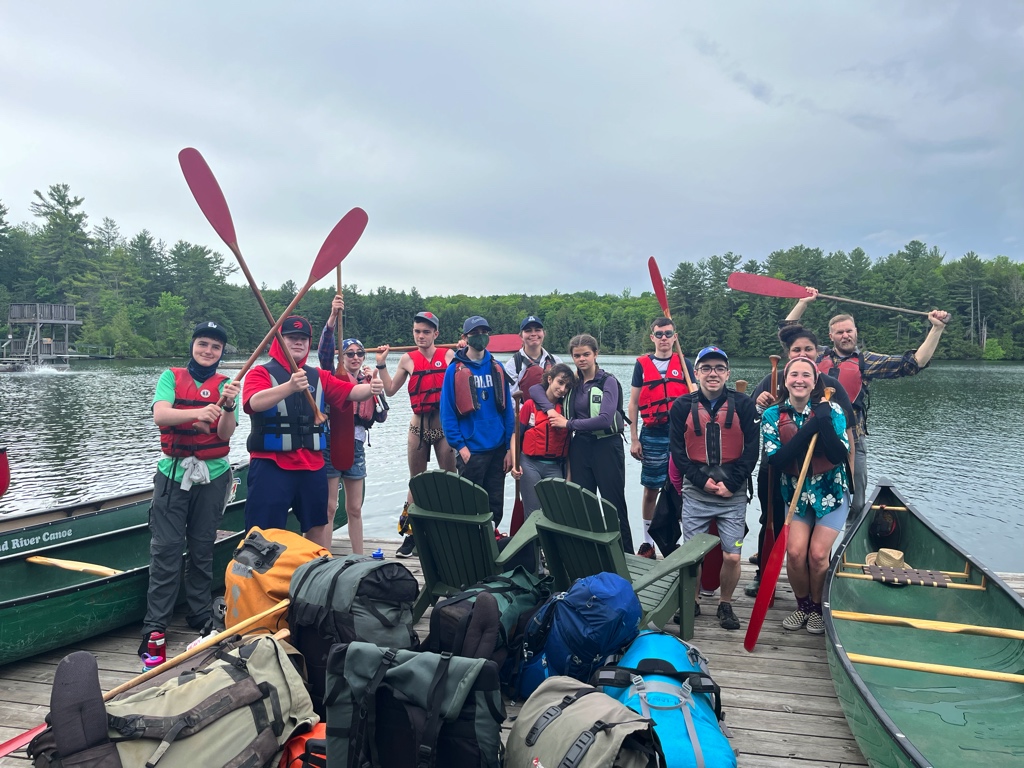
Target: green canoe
column 929, row 671
column 44, row 607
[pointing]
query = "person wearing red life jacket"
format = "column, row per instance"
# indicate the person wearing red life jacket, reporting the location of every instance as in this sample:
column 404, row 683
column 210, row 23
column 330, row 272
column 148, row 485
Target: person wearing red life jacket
column 286, row 468
column 192, row 481
column 658, row 379
column 714, row 444
column 855, row 367
column 530, row 362
column 367, row 413
column 544, row 446
column 424, row 369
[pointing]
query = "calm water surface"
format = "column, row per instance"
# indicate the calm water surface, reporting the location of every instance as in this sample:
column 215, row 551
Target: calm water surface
column 87, row 433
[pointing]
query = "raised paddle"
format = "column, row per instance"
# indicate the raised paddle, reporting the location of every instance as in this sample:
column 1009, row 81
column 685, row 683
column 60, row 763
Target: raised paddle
column 336, row 247
column 5, row 472
column 518, row 513
column 502, row 343
column 214, row 205
column 762, row 285
column 769, row 531
column 22, row 739
column 773, row 567
column 343, row 424
column 659, row 291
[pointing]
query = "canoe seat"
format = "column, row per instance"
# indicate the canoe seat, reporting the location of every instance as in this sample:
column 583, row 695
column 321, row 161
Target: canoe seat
column 907, row 576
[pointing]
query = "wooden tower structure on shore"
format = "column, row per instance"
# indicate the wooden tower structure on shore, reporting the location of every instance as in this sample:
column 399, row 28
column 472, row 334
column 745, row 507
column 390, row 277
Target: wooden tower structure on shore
column 39, row 345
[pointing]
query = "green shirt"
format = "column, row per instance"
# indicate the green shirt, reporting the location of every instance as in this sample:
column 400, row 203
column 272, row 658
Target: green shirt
column 168, row 464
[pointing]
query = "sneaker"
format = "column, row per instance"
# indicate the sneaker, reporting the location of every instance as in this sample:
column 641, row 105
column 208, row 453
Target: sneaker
column 647, row 550
column 796, row 620
column 408, row 548
column 816, row 623
column 751, row 589
column 726, row 617
column 707, row 592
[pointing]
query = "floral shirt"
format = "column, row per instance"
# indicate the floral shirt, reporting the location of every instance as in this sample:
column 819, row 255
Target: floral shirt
column 824, row 492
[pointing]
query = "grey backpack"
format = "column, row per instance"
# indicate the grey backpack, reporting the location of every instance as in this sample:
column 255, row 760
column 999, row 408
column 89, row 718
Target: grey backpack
column 568, row 724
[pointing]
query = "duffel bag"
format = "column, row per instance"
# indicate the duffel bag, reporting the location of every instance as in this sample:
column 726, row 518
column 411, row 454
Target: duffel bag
column 260, row 572
column 568, row 723
column 665, row 678
column 390, row 708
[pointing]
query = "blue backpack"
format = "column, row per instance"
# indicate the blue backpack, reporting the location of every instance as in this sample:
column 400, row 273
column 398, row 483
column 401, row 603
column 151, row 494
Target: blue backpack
column 666, row 679
column 575, row 631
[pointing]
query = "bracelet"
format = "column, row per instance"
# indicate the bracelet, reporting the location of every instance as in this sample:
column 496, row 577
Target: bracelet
column 229, row 408
column 382, row 367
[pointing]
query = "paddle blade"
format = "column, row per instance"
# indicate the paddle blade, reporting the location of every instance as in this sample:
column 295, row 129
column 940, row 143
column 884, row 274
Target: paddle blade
column 21, row 740
column 769, row 579
column 505, row 343
column 343, row 437
column 5, row 472
column 766, row 286
column 339, row 243
column 518, row 514
column 711, row 569
column 659, row 285
column 207, row 192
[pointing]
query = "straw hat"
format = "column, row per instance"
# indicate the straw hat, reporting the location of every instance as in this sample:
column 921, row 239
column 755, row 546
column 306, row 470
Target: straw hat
column 887, row 558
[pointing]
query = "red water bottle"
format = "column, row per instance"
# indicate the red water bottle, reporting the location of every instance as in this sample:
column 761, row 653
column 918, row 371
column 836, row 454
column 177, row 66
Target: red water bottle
column 155, row 654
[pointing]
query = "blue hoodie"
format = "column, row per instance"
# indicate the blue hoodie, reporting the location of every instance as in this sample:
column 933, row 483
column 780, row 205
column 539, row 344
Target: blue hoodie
column 486, row 429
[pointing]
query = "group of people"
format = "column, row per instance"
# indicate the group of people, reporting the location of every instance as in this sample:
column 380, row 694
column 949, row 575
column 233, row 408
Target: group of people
column 686, row 426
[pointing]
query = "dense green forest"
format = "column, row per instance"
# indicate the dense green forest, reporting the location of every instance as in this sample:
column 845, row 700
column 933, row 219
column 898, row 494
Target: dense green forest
column 140, row 297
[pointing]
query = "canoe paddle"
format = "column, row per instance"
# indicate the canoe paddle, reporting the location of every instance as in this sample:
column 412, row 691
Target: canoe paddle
column 5, row 472
column 518, row 513
column 773, row 567
column 769, row 531
column 659, row 291
column 336, row 247
column 343, row 420
column 762, row 285
column 214, row 205
column 502, row 343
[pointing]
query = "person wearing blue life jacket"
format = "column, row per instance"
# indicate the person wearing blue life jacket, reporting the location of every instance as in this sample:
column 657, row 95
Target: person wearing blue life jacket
column 477, row 414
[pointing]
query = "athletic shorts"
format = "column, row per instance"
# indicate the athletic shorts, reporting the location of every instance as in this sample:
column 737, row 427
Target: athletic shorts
column 358, row 469
column 731, row 516
column 654, row 467
column 272, row 491
column 835, row 519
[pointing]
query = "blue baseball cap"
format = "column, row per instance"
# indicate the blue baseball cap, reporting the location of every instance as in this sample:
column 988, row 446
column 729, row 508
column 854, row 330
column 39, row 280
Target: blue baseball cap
column 530, row 320
column 474, row 322
column 711, row 352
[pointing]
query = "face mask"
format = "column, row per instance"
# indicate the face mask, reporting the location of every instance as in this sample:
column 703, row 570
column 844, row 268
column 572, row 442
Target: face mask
column 479, row 342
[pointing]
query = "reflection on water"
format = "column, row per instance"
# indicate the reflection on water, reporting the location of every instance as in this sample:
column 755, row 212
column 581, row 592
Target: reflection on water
column 88, row 433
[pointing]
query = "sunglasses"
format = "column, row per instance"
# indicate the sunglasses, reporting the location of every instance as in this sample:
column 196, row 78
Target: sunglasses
column 355, row 354
column 663, row 334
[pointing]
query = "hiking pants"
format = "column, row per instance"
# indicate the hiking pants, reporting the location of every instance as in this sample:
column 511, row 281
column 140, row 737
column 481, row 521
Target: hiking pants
column 535, row 470
column 599, row 465
column 487, row 469
column 178, row 519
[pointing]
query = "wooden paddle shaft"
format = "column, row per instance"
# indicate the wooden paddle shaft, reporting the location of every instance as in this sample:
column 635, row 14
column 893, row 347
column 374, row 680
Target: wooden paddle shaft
column 936, row 626
column 74, row 565
column 871, row 304
column 937, row 669
column 829, row 391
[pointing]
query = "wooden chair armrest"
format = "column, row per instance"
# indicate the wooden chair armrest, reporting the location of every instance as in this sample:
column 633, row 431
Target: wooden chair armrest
column 608, row 537
column 447, row 517
column 526, row 535
column 690, row 553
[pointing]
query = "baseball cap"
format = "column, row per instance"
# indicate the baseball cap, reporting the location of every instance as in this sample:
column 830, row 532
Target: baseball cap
column 350, row 342
column 474, row 322
column 712, row 352
column 211, row 330
column 530, row 320
column 426, row 317
column 297, row 325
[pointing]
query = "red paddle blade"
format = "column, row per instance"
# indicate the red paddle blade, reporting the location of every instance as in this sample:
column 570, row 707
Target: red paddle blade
column 518, row 516
column 5, row 472
column 769, row 545
column 505, row 343
column 206, row 191
column 21, row 740
column 343, row 437
column 711, row 570
column 659, row 285
column 769, row 578
column 766, row 286
column 339, row 243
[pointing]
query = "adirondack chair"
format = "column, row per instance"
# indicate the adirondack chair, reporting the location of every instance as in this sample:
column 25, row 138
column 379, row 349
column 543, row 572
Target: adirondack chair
column 579, row 534
column 455, row 537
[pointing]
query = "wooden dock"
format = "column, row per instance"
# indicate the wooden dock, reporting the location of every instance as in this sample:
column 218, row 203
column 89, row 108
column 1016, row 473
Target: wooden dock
column 779, row 700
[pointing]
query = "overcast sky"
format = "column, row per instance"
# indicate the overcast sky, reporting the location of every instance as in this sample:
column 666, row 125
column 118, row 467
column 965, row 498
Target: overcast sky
column 504, row 147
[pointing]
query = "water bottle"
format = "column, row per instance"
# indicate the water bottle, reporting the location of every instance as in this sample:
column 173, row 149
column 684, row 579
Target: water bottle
column 155, row 654
column 378, row 555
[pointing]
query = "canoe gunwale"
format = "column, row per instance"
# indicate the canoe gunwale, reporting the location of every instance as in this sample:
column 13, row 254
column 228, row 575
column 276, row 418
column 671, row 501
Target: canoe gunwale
column 896, row 735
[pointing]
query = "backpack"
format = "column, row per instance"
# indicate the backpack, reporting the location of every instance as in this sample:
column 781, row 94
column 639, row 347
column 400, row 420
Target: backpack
column 306, row 750
column 568, row 723
column 341, row 600
column 666, row 678
column 240, row 709
column 260, row 571
column 487, row 620
column 575, row 631
column 389, row 708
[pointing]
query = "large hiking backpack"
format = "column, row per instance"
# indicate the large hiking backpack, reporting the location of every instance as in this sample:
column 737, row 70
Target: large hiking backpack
column 239, row 710
column 260, row 571
column 487, row 620
column 665, row 678
column 566, row 723
column 341, row 600
column 389, row 708
column 575, row 631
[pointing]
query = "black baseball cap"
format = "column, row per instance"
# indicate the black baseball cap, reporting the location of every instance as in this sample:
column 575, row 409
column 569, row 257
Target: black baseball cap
column 211, row 330
column 426, row 317
column 296, row 324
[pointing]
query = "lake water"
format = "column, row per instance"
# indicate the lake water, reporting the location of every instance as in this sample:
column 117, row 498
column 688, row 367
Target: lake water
column 951, row 438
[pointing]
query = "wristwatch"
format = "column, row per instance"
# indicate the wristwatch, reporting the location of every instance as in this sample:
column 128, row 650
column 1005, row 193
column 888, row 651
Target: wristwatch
column 229, row 408
column 381, row 367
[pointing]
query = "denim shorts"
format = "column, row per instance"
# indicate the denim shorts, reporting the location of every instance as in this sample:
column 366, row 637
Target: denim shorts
column 358, row 469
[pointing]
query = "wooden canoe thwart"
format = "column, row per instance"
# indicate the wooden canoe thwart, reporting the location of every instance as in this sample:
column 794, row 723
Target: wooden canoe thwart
column 927, row 656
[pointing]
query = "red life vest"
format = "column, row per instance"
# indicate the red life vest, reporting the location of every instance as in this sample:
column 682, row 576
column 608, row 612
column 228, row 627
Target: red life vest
column 722, row 443
column 466, row 399
column 658, row 392
column 185, row 440
column 365, row 409
column 850, row 374
column 426, row 379
column 542, row 440
column 533, row 372
column 787, row 429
